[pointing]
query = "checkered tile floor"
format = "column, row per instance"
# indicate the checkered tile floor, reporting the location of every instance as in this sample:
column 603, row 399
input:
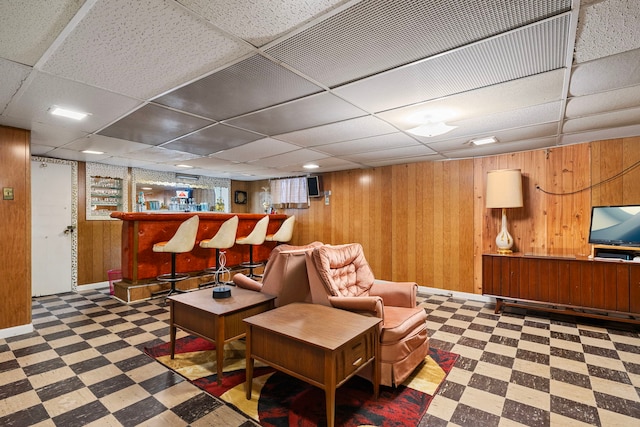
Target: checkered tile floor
column 84, row 365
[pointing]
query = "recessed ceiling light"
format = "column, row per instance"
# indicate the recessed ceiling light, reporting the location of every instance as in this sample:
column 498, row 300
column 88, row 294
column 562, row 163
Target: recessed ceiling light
column 184, row 166
column 311, row 166
column 92, row 152
column 76, row 115
column 483, row 141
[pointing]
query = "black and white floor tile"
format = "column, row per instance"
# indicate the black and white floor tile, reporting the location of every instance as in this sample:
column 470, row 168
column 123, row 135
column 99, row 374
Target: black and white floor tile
column 84, row 366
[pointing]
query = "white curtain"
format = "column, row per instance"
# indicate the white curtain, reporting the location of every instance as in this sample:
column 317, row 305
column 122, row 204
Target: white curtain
column 289, row 191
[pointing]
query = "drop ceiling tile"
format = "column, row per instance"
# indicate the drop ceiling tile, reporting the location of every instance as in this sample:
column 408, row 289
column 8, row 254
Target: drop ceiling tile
column 610, row 73
column 63, row 153
column 109, row 146
column 602, row 102
column 531, row 50
column 212, row 140
column 128, row 162
column 297, row 158
column 361, row 127
column 611, row 119
column 314, row 110
column 260, row 22
column 376, row 35
column 154, row 125
column 414, row 159
column 29, row 27
column 495, row 149
column 391, row 154
column 13, row 75
column 487, row 125
column 141, row 48
column 363, row 145
column 601, row 134
column 45, row 91
column 159, row 155
column 328, row 164
column 246, row 86
column 607, row 28
column 256, row 150
column 503, row 136
column 516, row 94
column 207, row 163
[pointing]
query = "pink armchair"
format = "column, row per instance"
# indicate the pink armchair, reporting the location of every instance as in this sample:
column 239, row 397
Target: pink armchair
column 285, row 275
column 340, row 276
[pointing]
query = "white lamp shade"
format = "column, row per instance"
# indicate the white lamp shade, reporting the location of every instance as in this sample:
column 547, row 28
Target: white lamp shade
column 504, row 188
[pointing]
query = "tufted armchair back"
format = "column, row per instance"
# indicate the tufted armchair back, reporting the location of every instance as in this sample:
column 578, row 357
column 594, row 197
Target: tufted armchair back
column 344, row 270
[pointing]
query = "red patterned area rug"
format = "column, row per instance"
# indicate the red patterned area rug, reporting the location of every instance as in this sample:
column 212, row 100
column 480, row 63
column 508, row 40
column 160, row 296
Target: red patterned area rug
column 281, row 400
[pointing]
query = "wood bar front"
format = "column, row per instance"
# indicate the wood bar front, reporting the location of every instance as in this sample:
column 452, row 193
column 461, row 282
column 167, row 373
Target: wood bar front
column 141, row 230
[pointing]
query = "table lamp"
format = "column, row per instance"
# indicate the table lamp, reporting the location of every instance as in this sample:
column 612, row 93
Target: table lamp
column 504, row 190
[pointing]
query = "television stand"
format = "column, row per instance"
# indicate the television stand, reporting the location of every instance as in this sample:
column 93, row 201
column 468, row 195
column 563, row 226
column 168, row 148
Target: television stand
column 624, row 253
column 605, row 289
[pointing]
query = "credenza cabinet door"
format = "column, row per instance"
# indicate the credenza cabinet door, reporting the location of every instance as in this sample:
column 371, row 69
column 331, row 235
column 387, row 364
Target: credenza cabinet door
column 634, row 288
column 501, row 276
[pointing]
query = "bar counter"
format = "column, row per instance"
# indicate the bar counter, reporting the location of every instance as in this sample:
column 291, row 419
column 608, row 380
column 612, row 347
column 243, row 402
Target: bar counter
column 141, row 230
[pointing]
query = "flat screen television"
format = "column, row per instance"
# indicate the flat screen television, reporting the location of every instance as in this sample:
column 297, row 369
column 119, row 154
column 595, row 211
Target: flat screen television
column 615, row 225
column 314, row 185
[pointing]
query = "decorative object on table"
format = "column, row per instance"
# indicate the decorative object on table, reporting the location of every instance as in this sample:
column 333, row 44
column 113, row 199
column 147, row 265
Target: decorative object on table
column 279, row 399
column 221, row 290
column 504, row 190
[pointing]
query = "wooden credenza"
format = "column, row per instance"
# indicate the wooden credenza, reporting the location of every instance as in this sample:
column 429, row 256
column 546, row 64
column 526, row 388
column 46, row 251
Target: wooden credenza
column 604, row 289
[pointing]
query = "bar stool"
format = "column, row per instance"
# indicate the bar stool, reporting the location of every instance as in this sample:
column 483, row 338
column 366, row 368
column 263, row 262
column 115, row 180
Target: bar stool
column 256, row 237
column 224, row 238
column 182, row 241
column 284, row 233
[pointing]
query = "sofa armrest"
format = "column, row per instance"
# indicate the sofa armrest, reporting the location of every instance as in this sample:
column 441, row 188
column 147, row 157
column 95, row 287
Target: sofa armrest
column 371, row 306
column 245, row 282
column 396, row 294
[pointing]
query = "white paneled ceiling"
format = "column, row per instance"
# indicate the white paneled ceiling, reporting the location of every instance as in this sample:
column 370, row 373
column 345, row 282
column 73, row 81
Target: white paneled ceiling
column 251, row 90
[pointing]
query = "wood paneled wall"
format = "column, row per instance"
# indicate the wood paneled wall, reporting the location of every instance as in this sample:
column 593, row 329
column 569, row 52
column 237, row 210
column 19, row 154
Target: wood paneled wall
column 15, row 244
column 427, row 222
column 99, row 241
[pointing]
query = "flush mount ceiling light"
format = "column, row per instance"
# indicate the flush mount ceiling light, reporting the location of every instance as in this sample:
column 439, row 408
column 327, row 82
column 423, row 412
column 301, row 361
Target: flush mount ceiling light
column 92, row 152
column 431, row 129
column 311, row 166
column 184, row 166
column 484, row 141
column 76, row 115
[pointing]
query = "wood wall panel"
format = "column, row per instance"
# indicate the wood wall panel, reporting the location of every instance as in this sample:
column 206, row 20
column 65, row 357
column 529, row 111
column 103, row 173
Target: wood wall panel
column 99, row 241
column 15, row 244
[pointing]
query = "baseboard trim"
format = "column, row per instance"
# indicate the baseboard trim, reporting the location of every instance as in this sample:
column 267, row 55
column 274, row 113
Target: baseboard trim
column 98, row 285
column 455, row 294
column 16, row 330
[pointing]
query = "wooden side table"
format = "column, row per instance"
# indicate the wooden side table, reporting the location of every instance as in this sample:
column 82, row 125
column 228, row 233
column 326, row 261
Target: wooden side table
column 217, row 320
column 321, row 345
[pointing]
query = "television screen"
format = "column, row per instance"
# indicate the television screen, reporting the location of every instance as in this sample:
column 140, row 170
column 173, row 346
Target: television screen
column 314, row 185
column 615, row 225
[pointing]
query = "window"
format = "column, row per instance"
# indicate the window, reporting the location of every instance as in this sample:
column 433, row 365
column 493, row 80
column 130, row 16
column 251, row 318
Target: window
column 290, row 192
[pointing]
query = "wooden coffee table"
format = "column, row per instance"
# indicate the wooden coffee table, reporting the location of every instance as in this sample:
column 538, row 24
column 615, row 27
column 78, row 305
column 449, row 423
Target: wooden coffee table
column 217, row 320
column 321, row 345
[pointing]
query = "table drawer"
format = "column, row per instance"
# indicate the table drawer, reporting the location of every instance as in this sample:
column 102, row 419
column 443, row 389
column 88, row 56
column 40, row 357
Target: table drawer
column 353, row 355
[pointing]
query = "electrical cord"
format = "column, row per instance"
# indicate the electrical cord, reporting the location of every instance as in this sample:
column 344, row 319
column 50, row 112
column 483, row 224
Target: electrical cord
column 616, row 176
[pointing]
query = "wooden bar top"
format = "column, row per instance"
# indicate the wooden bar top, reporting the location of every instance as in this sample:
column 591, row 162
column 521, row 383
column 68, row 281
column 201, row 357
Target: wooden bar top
column 141, row 230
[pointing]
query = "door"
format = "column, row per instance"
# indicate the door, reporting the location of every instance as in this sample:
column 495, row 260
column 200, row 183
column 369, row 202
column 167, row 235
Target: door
column 52, row 227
